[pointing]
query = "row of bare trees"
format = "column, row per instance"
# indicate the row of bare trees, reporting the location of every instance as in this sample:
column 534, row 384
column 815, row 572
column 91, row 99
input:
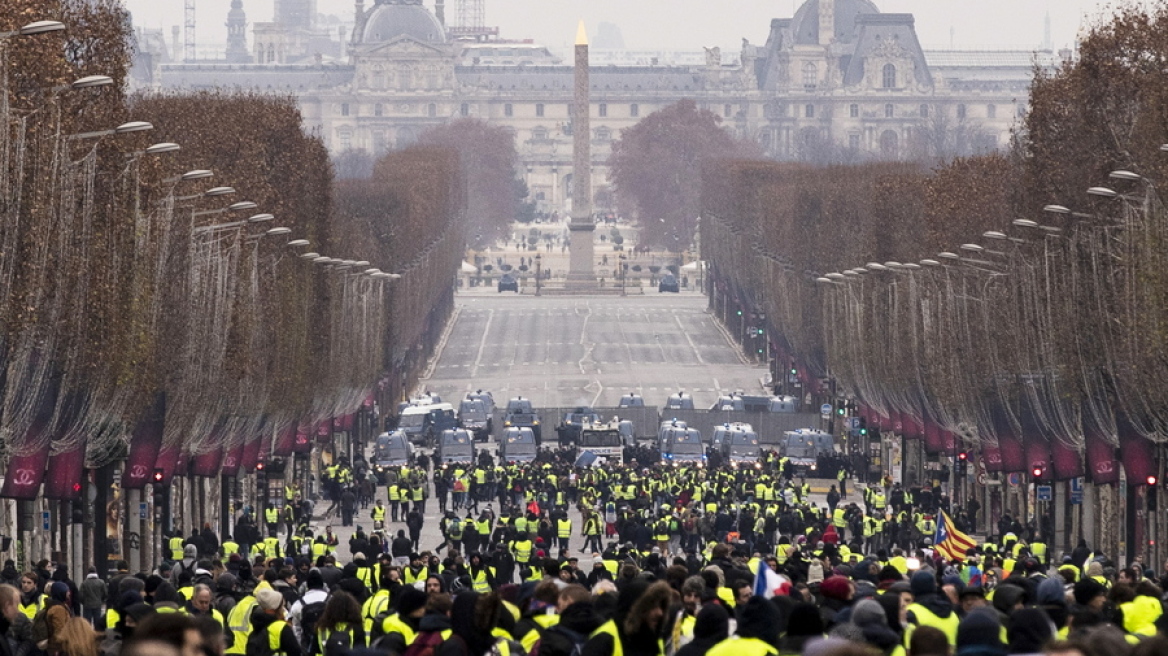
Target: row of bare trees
column 993, row 296
column 128, row 288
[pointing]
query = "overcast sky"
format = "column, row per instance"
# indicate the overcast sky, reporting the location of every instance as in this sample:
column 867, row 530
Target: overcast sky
column 692, row 24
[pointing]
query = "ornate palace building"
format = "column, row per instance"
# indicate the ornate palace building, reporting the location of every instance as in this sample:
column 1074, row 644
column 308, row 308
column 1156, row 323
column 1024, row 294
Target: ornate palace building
column 837, row 82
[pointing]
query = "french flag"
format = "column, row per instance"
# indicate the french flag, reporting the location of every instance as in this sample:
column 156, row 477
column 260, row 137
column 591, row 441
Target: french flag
column 768, row 582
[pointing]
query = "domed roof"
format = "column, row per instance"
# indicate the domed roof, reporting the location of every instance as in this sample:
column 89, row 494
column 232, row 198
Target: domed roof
column 390, row 19
column 805, row 24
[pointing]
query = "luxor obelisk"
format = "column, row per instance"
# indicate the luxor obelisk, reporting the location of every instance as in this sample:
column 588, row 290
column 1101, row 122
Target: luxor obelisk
column 581, row 226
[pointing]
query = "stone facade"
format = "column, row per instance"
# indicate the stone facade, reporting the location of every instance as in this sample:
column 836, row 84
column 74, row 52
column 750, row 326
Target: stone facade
column 837, row 82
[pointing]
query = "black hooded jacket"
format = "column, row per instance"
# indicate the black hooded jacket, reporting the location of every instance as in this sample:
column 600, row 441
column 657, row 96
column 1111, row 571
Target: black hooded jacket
column 577, row 622
column 711, row 626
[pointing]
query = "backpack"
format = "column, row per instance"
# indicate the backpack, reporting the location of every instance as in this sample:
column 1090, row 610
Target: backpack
column 425, row 644
column 309, row 616
column 459, row 486
column 688, row 525
column 339, row 643
column 577, row 640
column 512, row 648
column 40, row 626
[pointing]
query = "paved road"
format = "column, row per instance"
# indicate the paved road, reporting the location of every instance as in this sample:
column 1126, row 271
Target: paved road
column 564, row 350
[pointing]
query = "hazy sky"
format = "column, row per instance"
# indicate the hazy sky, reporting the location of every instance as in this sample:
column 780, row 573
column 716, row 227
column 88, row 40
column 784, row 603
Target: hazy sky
column 691, row 24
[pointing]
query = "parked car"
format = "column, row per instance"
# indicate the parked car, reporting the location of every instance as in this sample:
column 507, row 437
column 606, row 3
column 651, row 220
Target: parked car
column 508, row 283
column 668, row 283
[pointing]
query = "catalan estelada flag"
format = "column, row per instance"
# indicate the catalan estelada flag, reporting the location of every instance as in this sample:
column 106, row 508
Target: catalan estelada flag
column 949, row 542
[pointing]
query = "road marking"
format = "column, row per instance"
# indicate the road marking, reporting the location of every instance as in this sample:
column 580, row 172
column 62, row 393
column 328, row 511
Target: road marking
column 697, row 353
column 482, row 344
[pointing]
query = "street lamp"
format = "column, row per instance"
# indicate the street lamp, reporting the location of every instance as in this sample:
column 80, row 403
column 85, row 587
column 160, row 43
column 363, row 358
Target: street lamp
column 124, row 128
column 38, row 27
column 624, row 273
column 538, row 271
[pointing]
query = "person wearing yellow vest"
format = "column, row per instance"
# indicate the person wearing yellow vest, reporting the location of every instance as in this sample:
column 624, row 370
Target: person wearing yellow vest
column 270, row 632
column 564, row 531
column 31, row 598
column 634, row 630
column 481, row 577
column 200, row 605
column 401, row 628
column 228, row 546
column 930, row 608
column 757, row 634
column 540, row 615
column 378, row 515
column 272, row 519
column 239, row 624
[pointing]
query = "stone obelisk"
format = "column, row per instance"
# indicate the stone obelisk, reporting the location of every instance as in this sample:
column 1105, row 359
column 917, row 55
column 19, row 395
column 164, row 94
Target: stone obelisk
column 581, row 227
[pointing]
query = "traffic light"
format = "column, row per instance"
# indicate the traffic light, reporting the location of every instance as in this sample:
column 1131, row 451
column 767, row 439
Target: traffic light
column 863, row 427
column 740, row 313
column 77, row 511
column 1038, row 471
column 794, row 371
column 159, row 474
column 963, row 456
column 1152, row 480
column 1153, row 503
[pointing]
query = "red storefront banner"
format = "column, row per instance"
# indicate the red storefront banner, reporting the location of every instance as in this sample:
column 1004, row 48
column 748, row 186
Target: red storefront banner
column 1100, row 456
column 167, row 462
column 251, row 454
column 145, row 443
column 231, row 459
column 1068, row 462
column 992, row 458
column 207, row 464
column 285, row 440
column 67, row 468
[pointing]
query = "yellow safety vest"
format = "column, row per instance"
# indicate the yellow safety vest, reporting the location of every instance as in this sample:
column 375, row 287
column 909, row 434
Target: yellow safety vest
column 239, row 621
column 379, row 513
column 230, row 547
column 609, row 628
column 480, row 582
column 176, row 548
column 545, row 622
column 319, row 549
column 274, row 630
column 564, row 528
column 409, row 576
column 374, row 606
column 735, row 646
column 272, row 515
column 926, row 617
column 522, row 549
column 394, row 624
column 31, row 610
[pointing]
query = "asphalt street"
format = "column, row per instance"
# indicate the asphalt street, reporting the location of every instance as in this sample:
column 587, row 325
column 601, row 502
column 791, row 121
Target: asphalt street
column 569, row 350
column 576, row 350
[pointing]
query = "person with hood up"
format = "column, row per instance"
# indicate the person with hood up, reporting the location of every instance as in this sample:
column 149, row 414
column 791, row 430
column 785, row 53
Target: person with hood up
column 803, row 626
column 636, row 625
column 930, row 608
column 1052, row 598
column 1140, row 614
column 757, row 634
column 980, row 634
column 270, row 632
column 473, row 618
column 402, row 626
column 187, row 564
column 578, row 619
column 837, row 592
column 1007, row 599
column 711, row 627
column 435, row 627
column 1030, row 630
column 871, row 619
column 131, row 616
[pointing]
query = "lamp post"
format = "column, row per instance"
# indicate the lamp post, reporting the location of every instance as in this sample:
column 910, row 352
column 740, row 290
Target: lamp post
column 538, row 272
column 624, row 272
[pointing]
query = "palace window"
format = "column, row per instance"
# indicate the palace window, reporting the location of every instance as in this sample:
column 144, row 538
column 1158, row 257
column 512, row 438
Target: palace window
column 889, row 76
